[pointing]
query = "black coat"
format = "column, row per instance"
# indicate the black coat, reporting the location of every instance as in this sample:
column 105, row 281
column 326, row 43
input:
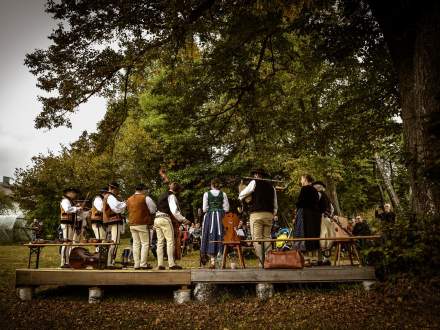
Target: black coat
column 389, row 217
column 308, row 200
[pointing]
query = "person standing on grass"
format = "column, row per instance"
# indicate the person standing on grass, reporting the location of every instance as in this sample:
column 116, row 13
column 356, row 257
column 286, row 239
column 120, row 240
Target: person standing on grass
column 215, row 205
column 387, row 216
column 263, row 208
column 141, row 209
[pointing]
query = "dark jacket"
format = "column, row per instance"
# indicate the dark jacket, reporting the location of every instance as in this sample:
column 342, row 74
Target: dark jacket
column 262, row 197
column 388, row 217
column 308, row 198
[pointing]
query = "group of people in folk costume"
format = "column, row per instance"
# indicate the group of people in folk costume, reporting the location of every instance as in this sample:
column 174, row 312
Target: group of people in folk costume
column 107, row 219
column 107, row 222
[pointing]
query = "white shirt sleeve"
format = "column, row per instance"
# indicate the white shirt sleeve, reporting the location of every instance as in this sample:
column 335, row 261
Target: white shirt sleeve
column 67, row 206
column 248, row 190
column 205, row 202
column 97, row 203
column 225, row 202
column 115, row 205
column 172, row 202
column 151, row 205
column 275, row 202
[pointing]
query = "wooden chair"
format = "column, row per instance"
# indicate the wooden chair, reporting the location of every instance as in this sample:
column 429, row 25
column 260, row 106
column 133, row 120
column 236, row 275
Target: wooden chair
column 231, row 239
column 237, row 247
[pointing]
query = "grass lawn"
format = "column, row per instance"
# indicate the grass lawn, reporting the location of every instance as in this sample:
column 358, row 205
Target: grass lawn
column 293, row 307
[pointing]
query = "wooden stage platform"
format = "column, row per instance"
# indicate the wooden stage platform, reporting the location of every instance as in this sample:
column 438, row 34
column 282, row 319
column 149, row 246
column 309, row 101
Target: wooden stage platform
column 201, row 280
column 187, row 277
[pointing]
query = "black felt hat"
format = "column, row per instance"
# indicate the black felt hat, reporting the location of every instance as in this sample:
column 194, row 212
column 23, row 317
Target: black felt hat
column 320, row 183
column 140, row 187
column 103, row 190
column 114, row 184
column 70, row 189
column 259, row 171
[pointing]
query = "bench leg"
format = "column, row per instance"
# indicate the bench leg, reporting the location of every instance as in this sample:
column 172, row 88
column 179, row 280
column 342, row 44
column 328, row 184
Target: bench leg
column 350, row 252
column 95, row 295
column 356, row 253
column 338, row 251
column 225, row 250
column 240, row 257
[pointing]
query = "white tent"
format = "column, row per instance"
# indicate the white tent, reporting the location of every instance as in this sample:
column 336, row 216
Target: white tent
column 13, row 228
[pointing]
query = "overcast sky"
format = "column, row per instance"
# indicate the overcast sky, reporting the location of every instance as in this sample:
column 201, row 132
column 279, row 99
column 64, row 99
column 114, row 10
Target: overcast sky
column 23, row 27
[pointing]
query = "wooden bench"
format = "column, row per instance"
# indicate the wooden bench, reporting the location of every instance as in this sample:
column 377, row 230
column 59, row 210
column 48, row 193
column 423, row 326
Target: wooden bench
column 35, row 249
column 340, row 241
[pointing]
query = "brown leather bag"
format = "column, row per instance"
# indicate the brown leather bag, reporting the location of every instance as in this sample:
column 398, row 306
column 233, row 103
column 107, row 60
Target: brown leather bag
column 284, row 260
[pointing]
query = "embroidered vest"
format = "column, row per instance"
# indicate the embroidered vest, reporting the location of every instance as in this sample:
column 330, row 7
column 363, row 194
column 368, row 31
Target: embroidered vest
column 138, row 212
column 108, row 215
column 215, row 203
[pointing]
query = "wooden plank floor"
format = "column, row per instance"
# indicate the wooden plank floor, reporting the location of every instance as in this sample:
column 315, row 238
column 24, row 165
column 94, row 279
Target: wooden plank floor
column 305, row 275
column 53, row 276
column 50, row 276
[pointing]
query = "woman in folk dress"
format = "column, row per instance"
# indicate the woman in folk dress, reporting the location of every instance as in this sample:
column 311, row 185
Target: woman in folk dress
column 215, row 205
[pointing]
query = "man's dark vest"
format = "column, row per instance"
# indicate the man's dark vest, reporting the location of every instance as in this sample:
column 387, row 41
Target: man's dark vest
column 262, row 197
column 162, row 203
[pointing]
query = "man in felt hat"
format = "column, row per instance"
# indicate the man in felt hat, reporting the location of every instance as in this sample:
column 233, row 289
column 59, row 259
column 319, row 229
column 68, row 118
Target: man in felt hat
column 167, row 211
column 68, row 212
column 141, row 209
column 263, row 208
column 112, row 210
column 96, row 214
column 327, row 229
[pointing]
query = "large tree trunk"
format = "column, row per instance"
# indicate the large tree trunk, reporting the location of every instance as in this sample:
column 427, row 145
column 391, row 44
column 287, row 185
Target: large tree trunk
column 412, row 32
column 380, row 164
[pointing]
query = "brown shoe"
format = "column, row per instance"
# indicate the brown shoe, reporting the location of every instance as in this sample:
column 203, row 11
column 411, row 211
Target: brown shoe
column 176, row 267
column 160, row 268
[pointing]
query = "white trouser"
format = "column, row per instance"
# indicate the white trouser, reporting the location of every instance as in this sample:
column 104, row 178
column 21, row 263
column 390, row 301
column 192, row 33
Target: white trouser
column 261, row 225
column 141, row 241
column 164, row 231
column 67, row 234
column 98, row 230
column 327, row 231
column 115, row 235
